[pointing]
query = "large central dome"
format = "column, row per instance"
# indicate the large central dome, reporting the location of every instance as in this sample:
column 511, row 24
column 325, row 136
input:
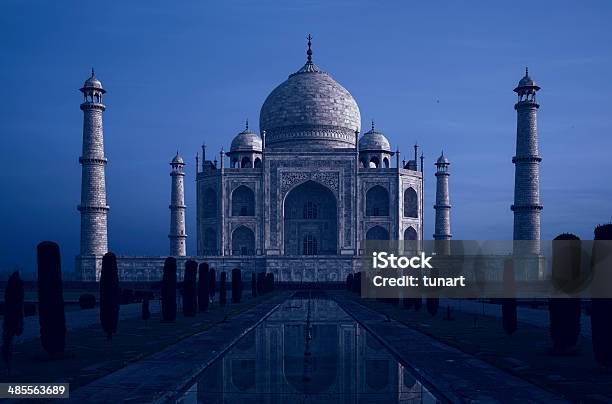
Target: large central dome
column 310, row 110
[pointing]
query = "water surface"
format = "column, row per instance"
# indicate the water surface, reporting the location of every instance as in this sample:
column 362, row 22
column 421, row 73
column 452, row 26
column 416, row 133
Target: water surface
column 308, row 350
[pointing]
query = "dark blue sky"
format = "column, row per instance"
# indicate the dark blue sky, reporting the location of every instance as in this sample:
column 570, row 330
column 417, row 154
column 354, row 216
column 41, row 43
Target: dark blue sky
column 180, row 73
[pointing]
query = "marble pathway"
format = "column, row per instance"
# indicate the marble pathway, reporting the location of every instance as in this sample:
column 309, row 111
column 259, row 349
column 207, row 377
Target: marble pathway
column 456, row 375
column 160, row 376
column 528, row 315
column 83, row 318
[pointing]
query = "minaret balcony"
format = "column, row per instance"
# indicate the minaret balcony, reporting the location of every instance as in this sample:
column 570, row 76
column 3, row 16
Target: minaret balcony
column 93, row 105
column 93, row 160
column 91, row 208
column 528, row 159
column 515, row 208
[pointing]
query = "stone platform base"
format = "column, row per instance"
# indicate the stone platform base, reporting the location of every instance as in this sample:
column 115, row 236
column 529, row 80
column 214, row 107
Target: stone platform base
column 285, row 268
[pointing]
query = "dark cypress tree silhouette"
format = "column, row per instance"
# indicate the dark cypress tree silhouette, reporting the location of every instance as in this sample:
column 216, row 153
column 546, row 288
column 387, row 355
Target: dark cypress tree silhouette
column 418, row 302
column 212, row 284
column 432, row 304
column 168, row 291
column 253, row 285
column 408, row 302
column 146, row 313
column 13, row 316
column 448, row 316
column 601, row 326
column 222, row 290
column 269, row 282
column 261, row 277
column 565, row 312
column 109, row 295
column 51, row 318
column 190, row 299
column 236, row 285
column 349, row 282
column 509, row 317
column 357, row 283
column 203, row 287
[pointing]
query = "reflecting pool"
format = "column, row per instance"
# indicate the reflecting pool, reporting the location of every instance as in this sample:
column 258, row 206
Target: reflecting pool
column 307, row 351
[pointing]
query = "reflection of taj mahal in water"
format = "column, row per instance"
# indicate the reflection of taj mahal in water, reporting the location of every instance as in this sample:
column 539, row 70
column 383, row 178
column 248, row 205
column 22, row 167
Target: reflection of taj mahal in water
column 345, row 363
column 299, row 199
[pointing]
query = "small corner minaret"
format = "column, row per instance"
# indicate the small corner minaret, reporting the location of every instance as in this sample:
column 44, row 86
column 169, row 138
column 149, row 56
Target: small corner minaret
column 177, row 234
column 442, row 206
column 526, row 205
column 93, row 207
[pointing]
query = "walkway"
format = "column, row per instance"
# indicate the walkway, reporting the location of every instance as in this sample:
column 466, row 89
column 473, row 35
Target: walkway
column 159, row 377
column 536, row 317
column 83, row 318
column 458, row 376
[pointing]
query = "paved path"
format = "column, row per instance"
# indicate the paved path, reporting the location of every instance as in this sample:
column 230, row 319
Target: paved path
column 83, row 318
column 458, row 376
column 536, row 317
column 160, row 376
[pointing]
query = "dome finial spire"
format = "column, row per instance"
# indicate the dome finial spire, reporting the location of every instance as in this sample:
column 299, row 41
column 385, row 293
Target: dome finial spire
column 372, row 125
column 526, row 71
column 247, row 124
column 309, row 51
column 93, row 73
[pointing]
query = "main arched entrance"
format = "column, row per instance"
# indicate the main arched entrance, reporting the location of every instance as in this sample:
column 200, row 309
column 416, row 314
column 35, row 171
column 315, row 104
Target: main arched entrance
column 310, row 220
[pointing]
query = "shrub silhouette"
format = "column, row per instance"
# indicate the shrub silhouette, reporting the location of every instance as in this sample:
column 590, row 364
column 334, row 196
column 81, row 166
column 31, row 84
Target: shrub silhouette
column 168, row 291
column 212, row 284
column 432, row 304
column 51, row 318
column 109, row 295
column 190, row 302
column 418, row 302
column 261, row 278
column 146, row 313
column 269, row 282
column 203, row 286
column 253, row 285
column 222, row 290
column 236, row 285
column 565, row 312
column 13, row 315
column 601, row 326
column 408, row 302
column 87, row 301
column 509, row 317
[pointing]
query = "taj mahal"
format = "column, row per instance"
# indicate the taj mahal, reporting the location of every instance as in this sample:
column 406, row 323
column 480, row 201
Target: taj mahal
column 299, row 198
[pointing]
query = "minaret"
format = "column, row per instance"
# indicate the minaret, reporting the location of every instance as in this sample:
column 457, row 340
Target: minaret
column 177, row 234
column 93, row 207
column 442, row 206
column 526, row 205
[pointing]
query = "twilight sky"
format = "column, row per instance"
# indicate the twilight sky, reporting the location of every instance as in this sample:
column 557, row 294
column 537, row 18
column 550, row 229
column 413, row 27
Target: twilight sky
column 180, row 73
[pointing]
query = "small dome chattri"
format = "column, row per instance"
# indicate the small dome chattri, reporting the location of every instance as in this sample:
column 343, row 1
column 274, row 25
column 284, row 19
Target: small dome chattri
column 177, row 159
column 526, row 82
column 247, row 141
column 374, row 141
column 93, row 82
column 442, row 160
